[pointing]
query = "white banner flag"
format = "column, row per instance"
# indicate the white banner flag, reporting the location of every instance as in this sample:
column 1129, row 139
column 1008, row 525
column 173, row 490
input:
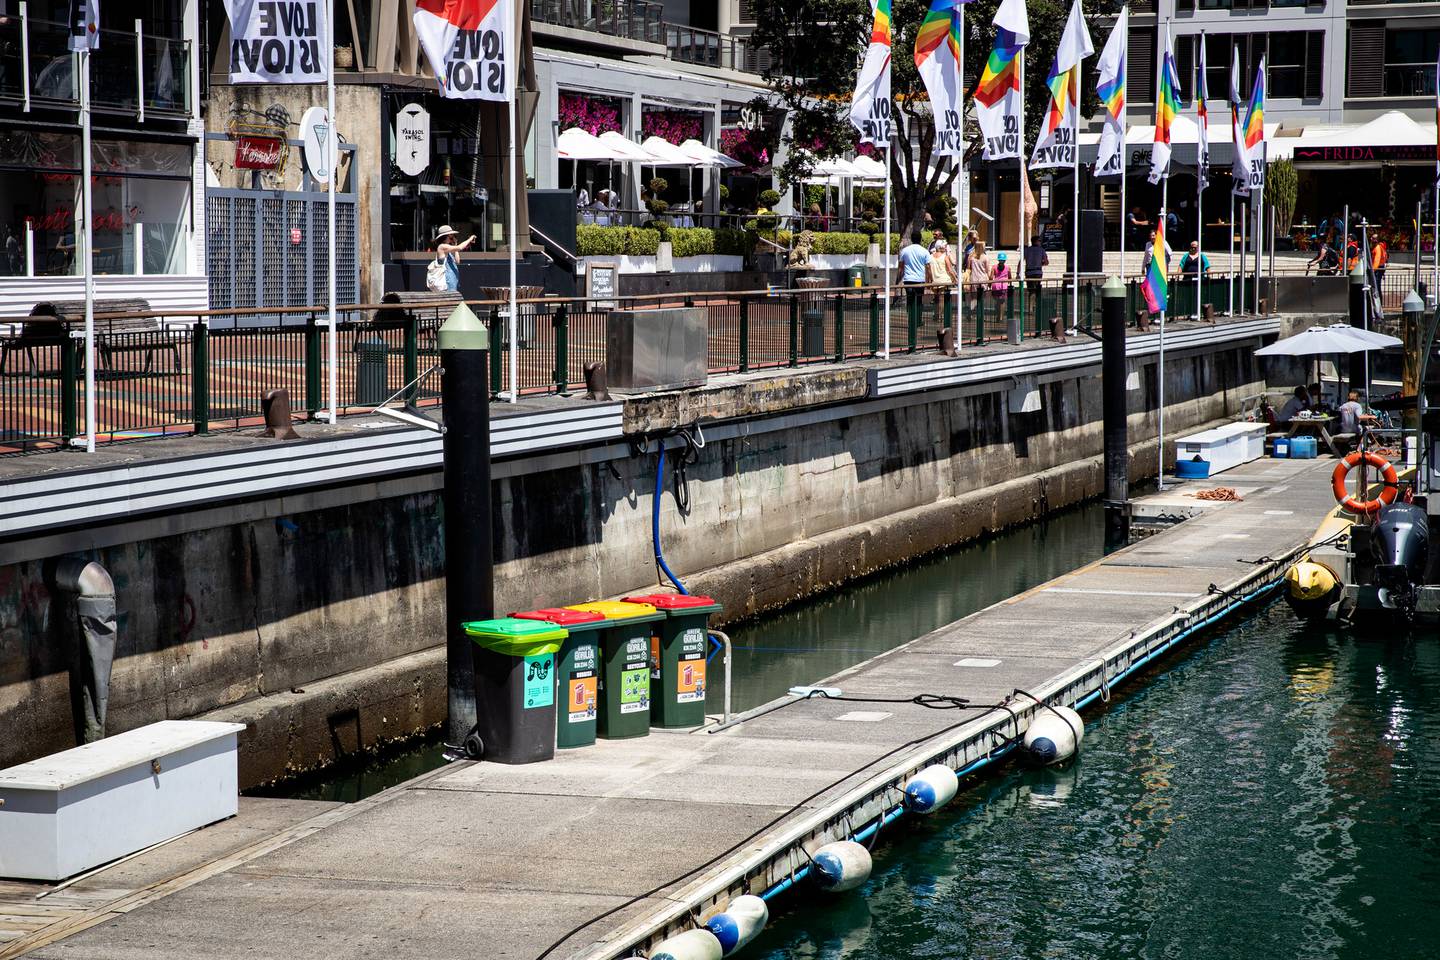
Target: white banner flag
column 997, row 97
column 84, row 25
column 937, row 56
column 278, row 41
column 467, row 43
column 1110, row 86
column 870, row 107
column 1239, row 166
column 1056, row 145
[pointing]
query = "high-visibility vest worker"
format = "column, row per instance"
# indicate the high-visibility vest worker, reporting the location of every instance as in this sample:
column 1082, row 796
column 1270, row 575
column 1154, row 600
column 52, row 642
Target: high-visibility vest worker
column 1379, row 255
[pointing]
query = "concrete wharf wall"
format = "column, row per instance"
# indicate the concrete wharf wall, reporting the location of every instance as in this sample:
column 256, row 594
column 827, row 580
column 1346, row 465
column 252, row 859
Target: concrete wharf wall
column 315, row 617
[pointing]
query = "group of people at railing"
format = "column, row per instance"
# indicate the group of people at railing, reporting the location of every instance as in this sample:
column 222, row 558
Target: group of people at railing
column 1328, row 260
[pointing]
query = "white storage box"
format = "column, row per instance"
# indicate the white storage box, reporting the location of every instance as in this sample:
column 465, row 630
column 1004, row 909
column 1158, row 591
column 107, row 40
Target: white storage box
column 1224, row 447
column 65, row 813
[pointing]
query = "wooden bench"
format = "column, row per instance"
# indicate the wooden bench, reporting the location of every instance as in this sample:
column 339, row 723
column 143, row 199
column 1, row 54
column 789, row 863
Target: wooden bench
column 424, row 305
column 50, row 323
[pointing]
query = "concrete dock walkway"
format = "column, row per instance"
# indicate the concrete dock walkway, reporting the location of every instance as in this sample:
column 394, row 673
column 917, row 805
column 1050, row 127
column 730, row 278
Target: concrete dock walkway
column 490, row 861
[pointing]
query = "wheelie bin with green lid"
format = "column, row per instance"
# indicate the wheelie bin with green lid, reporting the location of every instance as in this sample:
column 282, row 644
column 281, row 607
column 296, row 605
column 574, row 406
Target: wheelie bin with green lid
column 515, row 688
column 677, row 658
column 577, row 673
column 625, row 667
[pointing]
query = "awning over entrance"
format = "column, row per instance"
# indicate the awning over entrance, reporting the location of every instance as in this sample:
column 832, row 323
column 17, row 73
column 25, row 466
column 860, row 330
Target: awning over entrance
column 1392, row 137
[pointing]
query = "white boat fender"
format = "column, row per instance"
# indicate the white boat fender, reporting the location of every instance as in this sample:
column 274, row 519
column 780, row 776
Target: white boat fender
column 739, row 923
column 931, row 789
column 698, row 944
column 1054, row 735
column 840, row 866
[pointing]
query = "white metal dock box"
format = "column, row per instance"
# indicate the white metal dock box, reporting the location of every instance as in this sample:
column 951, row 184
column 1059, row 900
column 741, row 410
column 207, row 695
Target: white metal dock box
column 65, row 813
column 1224, row 447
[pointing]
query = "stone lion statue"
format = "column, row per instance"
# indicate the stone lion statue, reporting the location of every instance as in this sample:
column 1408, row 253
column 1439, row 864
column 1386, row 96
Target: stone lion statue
column 799, row 258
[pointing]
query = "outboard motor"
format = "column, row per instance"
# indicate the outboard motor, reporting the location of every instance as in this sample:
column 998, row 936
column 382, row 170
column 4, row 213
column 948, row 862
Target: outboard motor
column 1400, row 545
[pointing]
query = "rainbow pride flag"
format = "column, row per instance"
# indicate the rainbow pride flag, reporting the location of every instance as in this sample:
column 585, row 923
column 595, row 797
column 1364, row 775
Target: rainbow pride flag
column 1155, row 286
column 871, row 106
column 1167, row 108
column 1254, row 126
column 937, row 59
column 880, row 26
column 997, row 97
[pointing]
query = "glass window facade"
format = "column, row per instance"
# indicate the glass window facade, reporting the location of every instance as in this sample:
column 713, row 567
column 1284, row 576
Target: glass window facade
column 140, row 204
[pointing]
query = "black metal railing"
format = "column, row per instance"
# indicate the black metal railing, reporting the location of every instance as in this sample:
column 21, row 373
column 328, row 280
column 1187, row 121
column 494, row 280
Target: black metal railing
column 627, row 19
column 182, row 376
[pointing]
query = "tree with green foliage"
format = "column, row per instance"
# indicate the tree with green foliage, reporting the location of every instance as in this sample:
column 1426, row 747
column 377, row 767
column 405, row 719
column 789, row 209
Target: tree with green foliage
column 817, row 46
column 1280, row 186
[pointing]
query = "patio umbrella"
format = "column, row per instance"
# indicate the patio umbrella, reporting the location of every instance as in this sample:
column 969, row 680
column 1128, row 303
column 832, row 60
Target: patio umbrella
column 708, row 157
column 628, row 149
column 665, row 154
column 1334, row 339
column 576, row 144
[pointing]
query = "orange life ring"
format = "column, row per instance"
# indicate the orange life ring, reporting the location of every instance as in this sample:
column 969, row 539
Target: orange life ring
column 1387, row 472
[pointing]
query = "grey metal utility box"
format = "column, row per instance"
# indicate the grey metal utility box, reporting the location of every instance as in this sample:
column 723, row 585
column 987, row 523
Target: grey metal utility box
column 656, row 349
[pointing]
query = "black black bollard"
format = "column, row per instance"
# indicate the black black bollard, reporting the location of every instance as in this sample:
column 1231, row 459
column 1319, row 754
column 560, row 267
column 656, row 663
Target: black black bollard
column 469, row 557
column 1112, row 379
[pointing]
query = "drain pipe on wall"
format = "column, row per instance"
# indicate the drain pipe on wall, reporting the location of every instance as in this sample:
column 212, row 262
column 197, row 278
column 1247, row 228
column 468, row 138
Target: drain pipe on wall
column 88, row 595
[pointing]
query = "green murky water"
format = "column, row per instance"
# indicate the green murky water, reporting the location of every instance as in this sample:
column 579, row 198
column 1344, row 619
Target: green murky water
column 1273, row 794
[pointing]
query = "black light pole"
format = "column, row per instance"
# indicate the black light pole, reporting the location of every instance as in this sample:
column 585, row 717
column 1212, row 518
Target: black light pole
column 469, row 557
column 1112, row 385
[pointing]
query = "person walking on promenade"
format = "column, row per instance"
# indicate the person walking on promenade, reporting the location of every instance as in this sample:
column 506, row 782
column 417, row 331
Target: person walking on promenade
column 444, row 271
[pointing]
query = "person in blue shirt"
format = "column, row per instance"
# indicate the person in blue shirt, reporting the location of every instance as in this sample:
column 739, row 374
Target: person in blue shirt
column 1193, row 258
column 913, row 262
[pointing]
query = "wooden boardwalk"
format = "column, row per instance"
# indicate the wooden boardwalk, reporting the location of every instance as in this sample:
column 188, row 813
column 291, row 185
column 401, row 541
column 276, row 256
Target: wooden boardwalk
column 605, row 846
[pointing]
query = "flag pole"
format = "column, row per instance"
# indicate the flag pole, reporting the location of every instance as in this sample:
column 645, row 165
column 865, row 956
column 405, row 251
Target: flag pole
column 1024, row 184
column 1162, row 222
column 331, row 149
column 88, row 233
column 886, row 227
column 1124, row 160
column 1230, row 263
column 960, row 199
column 1257, row 206
column 1202, row 165
column 1075, row 204
column 512, row 107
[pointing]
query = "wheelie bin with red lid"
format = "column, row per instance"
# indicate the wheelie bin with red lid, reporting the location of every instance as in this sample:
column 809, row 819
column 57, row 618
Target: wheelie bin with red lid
column 624, row 701
column 515, row 688
column 678, row 647
column 577, row 672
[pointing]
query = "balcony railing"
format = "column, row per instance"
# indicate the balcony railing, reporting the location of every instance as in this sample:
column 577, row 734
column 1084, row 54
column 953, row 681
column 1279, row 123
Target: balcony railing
column 129, row 72
column 1410, row 80
column 627, row 19
column 705, row 47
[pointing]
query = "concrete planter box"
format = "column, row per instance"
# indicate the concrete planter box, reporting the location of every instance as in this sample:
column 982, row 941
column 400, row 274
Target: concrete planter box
column 65, row 813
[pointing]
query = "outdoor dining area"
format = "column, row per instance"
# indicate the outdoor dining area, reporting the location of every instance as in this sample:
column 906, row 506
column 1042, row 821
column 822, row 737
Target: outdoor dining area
column 606, row 207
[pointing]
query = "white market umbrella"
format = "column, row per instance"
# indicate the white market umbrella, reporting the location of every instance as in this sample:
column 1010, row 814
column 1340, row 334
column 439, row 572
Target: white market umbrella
column 577, row 144
column 1372, row 339
column 666, row 154
column 708, row 157
column 1319, row 341
column 628, row 149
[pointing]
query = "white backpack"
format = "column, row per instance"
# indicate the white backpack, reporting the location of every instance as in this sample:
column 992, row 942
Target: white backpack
column 435, row 275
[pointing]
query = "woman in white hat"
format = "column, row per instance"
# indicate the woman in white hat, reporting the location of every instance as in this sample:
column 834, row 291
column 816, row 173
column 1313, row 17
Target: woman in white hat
column 447, row 257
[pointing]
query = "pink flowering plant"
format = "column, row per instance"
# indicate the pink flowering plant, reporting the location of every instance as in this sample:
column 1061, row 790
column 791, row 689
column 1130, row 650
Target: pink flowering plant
column 747, row 146
column 594, row 115
column 672, row 126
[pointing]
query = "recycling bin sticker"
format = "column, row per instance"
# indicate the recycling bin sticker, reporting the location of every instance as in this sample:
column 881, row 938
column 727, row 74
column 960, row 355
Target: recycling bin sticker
column 539, row 681
column 635, row 690
column 582, row 698
column 690, row 681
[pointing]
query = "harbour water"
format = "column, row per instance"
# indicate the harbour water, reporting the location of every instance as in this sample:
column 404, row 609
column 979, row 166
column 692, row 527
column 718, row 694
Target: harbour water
column 1275, row 793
